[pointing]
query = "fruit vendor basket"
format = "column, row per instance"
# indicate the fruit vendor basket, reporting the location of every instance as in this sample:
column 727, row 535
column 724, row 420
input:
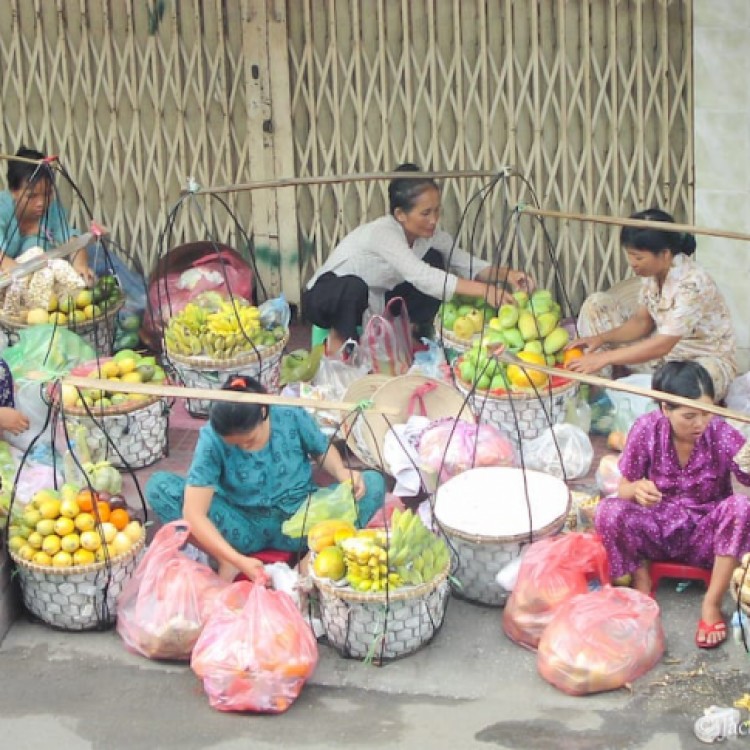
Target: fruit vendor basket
column 450, row 341
column 98, row 331
column 522, row 414
column 138, row 427
column 83, row 597
column 382, row 626
column 488, row 515
column 262, row 363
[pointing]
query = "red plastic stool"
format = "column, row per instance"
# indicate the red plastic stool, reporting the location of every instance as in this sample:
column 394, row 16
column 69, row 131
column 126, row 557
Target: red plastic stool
column 679, row 571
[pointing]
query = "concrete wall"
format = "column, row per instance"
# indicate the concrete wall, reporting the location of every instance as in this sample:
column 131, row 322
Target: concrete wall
column 721, row 40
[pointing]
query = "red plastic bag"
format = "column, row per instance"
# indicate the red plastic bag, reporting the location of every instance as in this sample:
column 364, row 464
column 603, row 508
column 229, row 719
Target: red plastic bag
column 386, row 340
column 256, row 651
column 601, row 640
column 162, row 609
column 552, row 571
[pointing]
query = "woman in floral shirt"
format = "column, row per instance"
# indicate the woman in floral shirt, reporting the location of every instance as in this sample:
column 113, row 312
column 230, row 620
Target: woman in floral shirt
column 681, row 313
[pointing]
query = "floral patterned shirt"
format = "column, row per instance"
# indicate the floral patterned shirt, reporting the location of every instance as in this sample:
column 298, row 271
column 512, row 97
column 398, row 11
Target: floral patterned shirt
column 690, row 305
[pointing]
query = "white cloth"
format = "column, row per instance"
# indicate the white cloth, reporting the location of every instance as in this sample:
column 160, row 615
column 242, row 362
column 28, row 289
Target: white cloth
column 400, row 454
column 379, row 254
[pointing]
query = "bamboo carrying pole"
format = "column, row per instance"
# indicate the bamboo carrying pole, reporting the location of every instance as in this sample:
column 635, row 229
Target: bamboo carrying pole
column 207, row 394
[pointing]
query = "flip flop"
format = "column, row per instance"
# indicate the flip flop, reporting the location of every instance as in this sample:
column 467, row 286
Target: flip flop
column 706, row 629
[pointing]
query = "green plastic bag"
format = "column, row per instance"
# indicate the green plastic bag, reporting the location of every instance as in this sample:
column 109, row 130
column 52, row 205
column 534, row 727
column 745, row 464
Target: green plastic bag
column 46, row 352
column 325, row 503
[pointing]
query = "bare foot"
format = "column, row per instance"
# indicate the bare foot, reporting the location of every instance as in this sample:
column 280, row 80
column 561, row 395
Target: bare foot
column 708, row 632
column 642, row 580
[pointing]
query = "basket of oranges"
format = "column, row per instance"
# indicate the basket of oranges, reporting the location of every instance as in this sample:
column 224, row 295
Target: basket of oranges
column 520, row 401
column 74, row 552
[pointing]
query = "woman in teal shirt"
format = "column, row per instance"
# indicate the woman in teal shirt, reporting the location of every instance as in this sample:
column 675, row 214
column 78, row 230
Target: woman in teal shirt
column 250, row 472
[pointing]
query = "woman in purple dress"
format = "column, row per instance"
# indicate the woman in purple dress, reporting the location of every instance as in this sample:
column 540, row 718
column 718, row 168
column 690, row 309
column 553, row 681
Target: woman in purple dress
column 675, row 499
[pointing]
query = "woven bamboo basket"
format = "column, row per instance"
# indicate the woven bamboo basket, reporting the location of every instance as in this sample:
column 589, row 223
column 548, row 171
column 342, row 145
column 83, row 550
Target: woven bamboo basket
column 521, row 414
column 79, row 598
column 263, row 363
column 382, row 627
column 99, row 332
column 139, row 428
column 487, row 523
column 740, row 588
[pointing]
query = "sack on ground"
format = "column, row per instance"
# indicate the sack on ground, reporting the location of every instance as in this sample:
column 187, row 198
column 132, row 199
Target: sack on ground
column 600, row 641
column 563, row 450
column 552, row 571
column 256, row 651
column 162, row 609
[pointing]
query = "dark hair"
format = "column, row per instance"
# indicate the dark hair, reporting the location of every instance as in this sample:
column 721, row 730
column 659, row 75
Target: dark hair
column 683, row 378
column 656, row 240
column 403, row 192
column 22, row 172
column 228, row 418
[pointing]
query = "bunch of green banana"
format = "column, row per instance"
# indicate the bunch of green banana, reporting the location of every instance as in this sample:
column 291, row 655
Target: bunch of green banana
column 300, row 366
column 415, row 554
column 367, row 563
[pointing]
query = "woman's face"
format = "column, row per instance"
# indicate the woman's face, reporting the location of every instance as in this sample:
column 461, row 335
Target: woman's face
column 688, row 424
column 422, row 219
column 252, row 440
column 32, row 200
column 646, row 264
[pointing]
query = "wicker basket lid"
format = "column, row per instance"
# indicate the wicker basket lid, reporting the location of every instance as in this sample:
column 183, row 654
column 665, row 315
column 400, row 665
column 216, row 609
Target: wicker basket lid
column 410, row 395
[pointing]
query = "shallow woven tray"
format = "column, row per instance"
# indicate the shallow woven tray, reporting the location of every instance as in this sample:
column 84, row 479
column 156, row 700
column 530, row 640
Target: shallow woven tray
column 16, row 323
column 201, row 362
column 393, row 595
column 359, row 390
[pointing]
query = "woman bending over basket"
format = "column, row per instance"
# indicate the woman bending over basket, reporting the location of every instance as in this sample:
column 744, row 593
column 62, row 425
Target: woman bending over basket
column 675, row 497
column 250, row 472
column 402, row 254
column 681, row 313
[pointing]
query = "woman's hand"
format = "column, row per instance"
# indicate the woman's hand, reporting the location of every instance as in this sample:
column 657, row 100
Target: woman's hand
column 358, row 483
column 13, row 421
column 646, row 493
column 588, row 343
column 521, row 281
column 81, row 266
column 588, row 364
column 497, row 296
column 254, row 570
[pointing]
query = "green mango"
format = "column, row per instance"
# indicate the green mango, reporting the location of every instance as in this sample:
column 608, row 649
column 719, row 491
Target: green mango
column 556, row 340
column 527, row 326
column 546, row 323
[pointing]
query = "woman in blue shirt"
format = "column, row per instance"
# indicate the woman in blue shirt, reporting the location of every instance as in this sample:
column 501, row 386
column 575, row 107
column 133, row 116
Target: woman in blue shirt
column 250, row 472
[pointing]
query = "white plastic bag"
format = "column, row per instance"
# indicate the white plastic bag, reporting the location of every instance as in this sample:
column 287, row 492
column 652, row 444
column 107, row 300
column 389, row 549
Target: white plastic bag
column 562, row 440
column 608, row 475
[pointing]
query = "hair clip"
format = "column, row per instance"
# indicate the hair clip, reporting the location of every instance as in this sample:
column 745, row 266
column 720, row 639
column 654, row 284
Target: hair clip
column 238, row 382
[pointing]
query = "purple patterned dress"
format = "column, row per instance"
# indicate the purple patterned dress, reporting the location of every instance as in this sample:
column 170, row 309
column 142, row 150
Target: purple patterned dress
column 698, row 517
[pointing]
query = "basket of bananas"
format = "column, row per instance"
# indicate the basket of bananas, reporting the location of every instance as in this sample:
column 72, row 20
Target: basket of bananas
column 382, row 595
column 205, row 343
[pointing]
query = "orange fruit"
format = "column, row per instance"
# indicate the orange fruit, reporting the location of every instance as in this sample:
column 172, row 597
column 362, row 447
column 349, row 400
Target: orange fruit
column 527, row 378
column 570, row 354
column 104, row 511
column 119, row 518
column 85, row 499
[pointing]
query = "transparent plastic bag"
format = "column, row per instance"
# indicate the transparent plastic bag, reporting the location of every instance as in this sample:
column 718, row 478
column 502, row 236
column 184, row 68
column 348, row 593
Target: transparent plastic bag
column 275, row 312
column 608, row 474
column 327, row 502
column 387, row 339
column 561, row 440
column 256, row 651
column 601, row 640
column 553, row 570
column 163, row 608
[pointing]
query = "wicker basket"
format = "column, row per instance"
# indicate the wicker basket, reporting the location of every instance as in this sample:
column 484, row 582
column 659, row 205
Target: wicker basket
column 743, row 575
column 379, row 627
column 264, row 364
column 522, row 414
column 99, row 332
column 79, row 598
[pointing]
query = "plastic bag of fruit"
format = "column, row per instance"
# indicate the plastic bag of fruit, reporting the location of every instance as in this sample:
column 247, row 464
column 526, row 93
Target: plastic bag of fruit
column 256, row 651
column 163, row 608
column 601, row 640
column 553, row 570
column 451, row 446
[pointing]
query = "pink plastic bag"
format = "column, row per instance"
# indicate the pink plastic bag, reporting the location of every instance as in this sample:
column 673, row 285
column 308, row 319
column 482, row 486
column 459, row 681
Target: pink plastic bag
column 553, row 570
column 256, row 651
column 383, row 515
column 162, row 609
column 386, row 339
column 601, row 641
column 452, row 446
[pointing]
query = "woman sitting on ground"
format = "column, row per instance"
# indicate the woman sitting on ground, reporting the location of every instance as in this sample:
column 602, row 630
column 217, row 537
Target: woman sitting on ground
column 250, row 473
column 402, row 254
column 675, row 499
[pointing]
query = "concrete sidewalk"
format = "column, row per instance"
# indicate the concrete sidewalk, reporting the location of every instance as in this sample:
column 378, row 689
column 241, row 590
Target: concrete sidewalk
column 471, row 687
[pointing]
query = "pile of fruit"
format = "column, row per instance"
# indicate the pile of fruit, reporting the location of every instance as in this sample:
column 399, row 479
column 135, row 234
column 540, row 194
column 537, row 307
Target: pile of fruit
column 126, row 366
column 531, row 330
column 72, row 527
column 77, row 307
column 219, row 329
column 373, row 560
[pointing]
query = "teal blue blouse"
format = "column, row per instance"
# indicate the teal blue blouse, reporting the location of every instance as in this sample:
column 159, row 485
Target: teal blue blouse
column 277, row 476
column 53, row 231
